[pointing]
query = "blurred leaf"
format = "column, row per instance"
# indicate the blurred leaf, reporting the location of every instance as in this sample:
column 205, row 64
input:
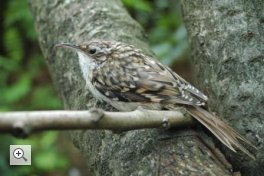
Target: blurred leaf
column 4, row 157
column 19, row 89
column 36, row 65
column 13, row 44
column 7, row 64
column 180, row 34
column 161, row 49
column 45, row 154
column 49, row 160
column 138, row 4
column 18, row 13
column 44, row 97
column 25, row 85
column 48, row 139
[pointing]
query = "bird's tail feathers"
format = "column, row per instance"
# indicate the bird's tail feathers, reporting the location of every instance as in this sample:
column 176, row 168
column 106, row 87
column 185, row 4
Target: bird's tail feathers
column 226, row 134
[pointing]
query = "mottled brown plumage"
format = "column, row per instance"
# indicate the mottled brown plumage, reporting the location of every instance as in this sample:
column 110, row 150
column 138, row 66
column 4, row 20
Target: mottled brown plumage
column 125, row 77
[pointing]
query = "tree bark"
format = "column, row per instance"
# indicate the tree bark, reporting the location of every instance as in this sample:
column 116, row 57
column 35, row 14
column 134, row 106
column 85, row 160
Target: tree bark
column 138, row 152
column 227, row 42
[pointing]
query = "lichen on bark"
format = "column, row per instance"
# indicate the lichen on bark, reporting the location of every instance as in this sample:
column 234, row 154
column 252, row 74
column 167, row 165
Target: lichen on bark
column 227, row 41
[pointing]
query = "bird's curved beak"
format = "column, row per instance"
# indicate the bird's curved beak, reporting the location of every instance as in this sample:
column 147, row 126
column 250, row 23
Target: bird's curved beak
column 67, row 45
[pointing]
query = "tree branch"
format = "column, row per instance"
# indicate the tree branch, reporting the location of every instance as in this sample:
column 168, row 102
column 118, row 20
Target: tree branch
column 21, row 124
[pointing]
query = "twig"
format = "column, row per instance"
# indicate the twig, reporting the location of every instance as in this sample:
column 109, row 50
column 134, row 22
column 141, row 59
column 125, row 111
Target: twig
column 21, row 124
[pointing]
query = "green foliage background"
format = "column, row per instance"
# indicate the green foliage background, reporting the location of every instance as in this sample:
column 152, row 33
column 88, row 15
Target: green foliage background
column 25, row 83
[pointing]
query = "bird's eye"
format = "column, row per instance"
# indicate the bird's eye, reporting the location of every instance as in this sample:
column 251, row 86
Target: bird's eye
column 92, row 51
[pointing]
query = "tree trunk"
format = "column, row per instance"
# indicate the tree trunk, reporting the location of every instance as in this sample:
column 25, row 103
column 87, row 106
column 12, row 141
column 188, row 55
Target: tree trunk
column 138, row 152
column 227, row 41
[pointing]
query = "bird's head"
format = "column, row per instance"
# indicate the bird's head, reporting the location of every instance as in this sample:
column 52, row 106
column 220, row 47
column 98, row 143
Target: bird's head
column 94, row 51
column 91, row 54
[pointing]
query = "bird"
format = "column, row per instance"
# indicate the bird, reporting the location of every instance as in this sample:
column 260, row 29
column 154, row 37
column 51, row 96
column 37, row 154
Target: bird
column 125, row 77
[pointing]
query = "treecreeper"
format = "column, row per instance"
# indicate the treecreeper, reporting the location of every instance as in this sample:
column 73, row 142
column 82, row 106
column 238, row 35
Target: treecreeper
column 125, row 77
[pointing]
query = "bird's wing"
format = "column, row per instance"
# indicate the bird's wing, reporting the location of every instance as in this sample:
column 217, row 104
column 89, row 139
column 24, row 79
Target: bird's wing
column 137, row 79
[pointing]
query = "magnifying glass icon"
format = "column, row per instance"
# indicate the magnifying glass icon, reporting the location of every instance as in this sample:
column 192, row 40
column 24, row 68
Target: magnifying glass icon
column 19, row 153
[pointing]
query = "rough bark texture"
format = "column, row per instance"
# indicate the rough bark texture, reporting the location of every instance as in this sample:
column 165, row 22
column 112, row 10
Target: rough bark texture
column 227, row 40
column 139, row 152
